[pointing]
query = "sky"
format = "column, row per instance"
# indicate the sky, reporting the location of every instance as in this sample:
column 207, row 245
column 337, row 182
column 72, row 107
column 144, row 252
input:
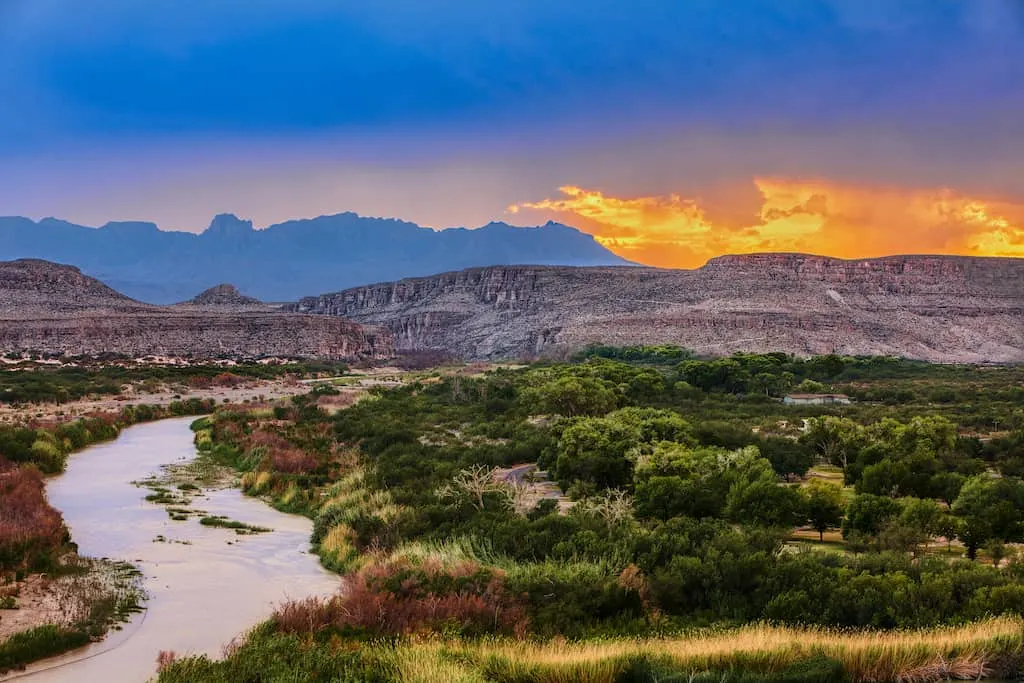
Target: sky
column 671, row 130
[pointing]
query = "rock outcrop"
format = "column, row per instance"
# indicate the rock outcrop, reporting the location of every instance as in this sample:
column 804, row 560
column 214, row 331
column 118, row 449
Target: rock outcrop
column 223, row 295
column 937, row 308
column 56, row 309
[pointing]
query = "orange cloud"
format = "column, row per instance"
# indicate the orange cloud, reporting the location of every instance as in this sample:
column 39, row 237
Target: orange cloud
column 844, row 220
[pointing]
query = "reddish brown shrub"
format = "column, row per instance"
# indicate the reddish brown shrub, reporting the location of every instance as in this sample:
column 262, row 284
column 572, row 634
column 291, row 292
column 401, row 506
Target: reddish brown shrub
column 165, row 659
column 397, row 598
column 272, row 441
column 29, row 527
column 200, row 382
column 307, row 616
column 227, row 379
column 293, row 461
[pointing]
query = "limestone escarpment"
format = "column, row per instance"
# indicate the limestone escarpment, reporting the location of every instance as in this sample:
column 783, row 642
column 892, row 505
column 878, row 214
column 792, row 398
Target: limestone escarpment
column 938, row 308
column 52, row 308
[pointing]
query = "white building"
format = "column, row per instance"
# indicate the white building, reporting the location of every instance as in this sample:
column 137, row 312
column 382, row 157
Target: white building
column 814, row 399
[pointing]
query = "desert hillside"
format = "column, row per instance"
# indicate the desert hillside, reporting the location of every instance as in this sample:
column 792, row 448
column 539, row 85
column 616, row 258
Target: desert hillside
column 55, row 308
column 937, row 308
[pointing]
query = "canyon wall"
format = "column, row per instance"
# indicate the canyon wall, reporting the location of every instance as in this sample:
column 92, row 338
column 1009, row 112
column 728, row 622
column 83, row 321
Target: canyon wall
column 937, row 308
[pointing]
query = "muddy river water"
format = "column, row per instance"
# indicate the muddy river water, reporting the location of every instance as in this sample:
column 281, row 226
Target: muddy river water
column 201, row 594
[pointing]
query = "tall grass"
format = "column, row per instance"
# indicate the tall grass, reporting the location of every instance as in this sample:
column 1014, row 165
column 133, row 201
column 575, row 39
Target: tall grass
column 349, row 503
column 979, row 650
column 748, row 655
column 37, row 643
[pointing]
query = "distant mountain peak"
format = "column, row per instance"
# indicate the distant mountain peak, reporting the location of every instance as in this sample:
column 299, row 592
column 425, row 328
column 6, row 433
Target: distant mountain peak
column 223, row 295
column 225, row 224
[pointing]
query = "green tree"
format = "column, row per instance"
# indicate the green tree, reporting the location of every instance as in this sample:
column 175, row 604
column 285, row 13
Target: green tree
column 572, row 396
column 946, row 486
column 885, row 478
column 948, row 526
column 823, row 505
column 598, row 451
column 702, row 482
column 917, row 522
column 762, row 501
column 990, row 508
column 869, row 514
column 996, row 551
column 836, row 439
column 789, row 458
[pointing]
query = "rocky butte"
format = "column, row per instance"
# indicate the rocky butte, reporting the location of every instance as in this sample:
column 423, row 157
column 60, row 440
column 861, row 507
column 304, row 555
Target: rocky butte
column 936, row 308
column 55, row 308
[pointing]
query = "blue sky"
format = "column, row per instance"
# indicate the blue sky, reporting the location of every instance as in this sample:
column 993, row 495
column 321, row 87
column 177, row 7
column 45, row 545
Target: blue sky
column 446, row 112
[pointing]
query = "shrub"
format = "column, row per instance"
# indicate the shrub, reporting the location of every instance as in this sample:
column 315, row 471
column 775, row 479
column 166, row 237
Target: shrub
column 30, row 530
column 402, row 598
column 43, row 641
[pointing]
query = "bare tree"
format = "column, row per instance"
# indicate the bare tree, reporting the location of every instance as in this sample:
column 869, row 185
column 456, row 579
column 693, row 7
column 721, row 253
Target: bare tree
column 473, row 482
column 614, row 506
column 519, row 496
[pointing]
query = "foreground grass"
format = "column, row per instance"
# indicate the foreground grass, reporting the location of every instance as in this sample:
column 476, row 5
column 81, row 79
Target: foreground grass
column 37, row 643
column 755, row 653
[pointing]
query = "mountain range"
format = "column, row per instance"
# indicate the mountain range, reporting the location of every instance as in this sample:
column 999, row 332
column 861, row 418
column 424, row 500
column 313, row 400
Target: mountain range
column 937, row 308
column 289, row 260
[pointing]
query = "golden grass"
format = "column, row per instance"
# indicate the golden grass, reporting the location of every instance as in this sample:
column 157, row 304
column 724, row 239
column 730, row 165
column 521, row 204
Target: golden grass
column 339, row 541
column 445, row 553
column 972, row 651
column 263, row 480
column 418, row 665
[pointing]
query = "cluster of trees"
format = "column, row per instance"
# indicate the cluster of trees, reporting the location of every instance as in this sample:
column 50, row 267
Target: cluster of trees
column 954, row 486
column 685, row 492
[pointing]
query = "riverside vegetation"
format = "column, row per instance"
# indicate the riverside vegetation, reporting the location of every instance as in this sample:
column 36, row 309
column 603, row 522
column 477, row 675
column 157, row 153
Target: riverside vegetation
column 706, row 532
column 75, row 600
column 88, row 596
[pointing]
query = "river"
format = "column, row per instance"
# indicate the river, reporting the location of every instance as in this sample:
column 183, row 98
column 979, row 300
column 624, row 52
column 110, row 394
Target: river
column 202, row 594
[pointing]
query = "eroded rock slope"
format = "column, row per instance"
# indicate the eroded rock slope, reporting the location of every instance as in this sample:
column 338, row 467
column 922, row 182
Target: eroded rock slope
column 938, row 308
column 55, row 308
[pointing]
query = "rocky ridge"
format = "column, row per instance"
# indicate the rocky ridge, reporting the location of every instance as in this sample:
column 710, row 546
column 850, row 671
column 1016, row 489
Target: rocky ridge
column 223, row 295
column 55, row 308
column 936, row 308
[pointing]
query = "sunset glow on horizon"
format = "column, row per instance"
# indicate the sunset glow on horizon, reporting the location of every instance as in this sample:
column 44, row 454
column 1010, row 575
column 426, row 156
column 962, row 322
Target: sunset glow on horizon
column 679, row 130
column 811, row 216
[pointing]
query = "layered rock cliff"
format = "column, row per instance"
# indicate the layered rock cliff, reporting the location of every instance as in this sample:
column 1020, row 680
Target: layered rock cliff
column 54, row 308
column 938, row 308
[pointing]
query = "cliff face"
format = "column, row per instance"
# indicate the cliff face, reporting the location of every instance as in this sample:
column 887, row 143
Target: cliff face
column 214, row 335
column 930, row 307
column 53, row 308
